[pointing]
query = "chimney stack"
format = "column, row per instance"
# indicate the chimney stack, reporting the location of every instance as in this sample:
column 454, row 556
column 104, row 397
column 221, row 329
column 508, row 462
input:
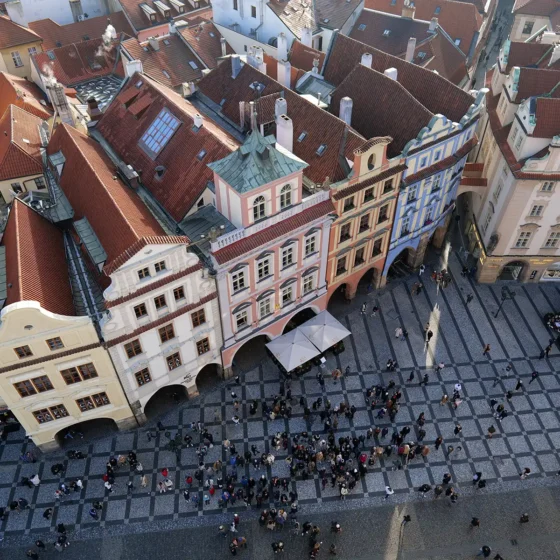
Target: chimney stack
column 433, row 25
column 280, row 107
column 367, row 59
column 132, row 66
column 223, row 44
column 154, row 43
column 282, row 47
column 188, row 88
column 307, row 37
column 284, row 73
column 346, row 110
column 253, row 115
column 410, row 48
column 93, row 109
column 235, row 65
column 391, row 73
column 408, row 10
column 198, row 120
column 285, row 132
column 60, row 103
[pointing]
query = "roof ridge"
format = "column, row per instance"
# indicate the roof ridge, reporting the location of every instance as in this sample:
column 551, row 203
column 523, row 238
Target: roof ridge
column 18, row 255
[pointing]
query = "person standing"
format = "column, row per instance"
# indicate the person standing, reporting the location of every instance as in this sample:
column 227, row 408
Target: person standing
column 519, row 385
column 421, row 270
column 470, row 297
column 491, row 431
column 485, row 551
column 439, row 441
column 475, row 523
column 458, row 429
column 525, row 473
column 363, row 309
column 534, row 376
column 486, row 350
column 388, row 493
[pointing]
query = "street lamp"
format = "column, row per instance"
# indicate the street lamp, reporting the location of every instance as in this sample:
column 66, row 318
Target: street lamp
column 506, row 294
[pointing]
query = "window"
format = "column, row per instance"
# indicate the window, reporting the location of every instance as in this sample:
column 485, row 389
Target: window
column 254, row 12
column 166, row 333
column 547, row 186
column 33, row 386
column 40, row 183
column 16, row 187
column 359, row 257
column 159, row 132
column 361, row 27
column 528, row 27
column 263, row 269
column 241, row 320
column 321, row 149
column 537, row 210
column 87, row 371
column 198, row 318
column 287, row 295
column 49, row 414
column 437, row 183
column 364, row 223
column 140, row 311
column 383, row 214
column 302, row 136
column 371, row 162
column 203, row 346
column 457, row 42
column 348, row 204
column 143, row 376
column 85, row 404
column 498, row 191
column 133, row 348
column 552, row 241
column 160, row 266
column 308, row 284
column 238, row 280
column 23, row 352
column 235, row 5
column 32, row 50
column 386, row 33
column 344, row 233
column 287, row 257
column 200, row 157
column 428, row 218
column 388, row 186
column 437, row 10
column 423, row 161
column 309, row 245
column 166, row 74
column 369, row 194
column 17, row 59
column 488, row 220
column 55, row 343
column 514, row 134
column 437, row 155
column 412, row 193
column 179, row 293
column 259, row 208
column 405, row 225
column 286, row 196
column 95, row 401
column 264, row 308
column 173, row 361
column 523, row 239
column 77, row 374
column 377, row 244
column 519, row 142
column 143, row 273
column 341, row 266
column 160, row 302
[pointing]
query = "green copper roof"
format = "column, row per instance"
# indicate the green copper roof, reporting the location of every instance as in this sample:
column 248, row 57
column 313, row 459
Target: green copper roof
column 256, row 163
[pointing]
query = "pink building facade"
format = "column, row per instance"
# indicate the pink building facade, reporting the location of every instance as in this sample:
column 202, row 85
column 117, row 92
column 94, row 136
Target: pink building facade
column 273, row 265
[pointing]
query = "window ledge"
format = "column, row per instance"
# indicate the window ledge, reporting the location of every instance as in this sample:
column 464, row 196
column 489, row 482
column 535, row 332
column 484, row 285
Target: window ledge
column 265, row 278
column 529, row 217
column 314, row 254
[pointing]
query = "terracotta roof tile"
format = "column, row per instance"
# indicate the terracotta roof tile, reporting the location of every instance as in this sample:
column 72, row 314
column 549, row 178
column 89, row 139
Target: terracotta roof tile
column 185, row 176
column 116, row 213
column 36, row 265
column 55, row 35
column 205, row 40
column 273, row 232
column 302, row 57
column 537, row 81
column 547, row 114
column 13, row 34
column 536, row 7
column 22, row 93
column 20, row 144
column 443, row 57
column 357, row 187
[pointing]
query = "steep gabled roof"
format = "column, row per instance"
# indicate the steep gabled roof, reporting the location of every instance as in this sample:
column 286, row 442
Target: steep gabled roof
column 20, row 144
column 537, row 81
column 36, row 268
column 55, row 35
column 547, row 113
column 205, row 40
column 536, row 7
column 302, row 57
column 530, row 54
column 24, row 94
column 184, row 157
column 13, row 34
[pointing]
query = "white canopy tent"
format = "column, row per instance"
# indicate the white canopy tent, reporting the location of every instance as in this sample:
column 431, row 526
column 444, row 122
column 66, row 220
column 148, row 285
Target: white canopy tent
column 292, row 349
column 324, row 331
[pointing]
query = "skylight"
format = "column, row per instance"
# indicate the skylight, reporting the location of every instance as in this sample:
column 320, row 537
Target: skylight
column 438, row 10
column 166, row 74
column 201, row 154
column 159, row 132
column 166, row 42
column 421, row 54
column 386, row 33
column 302, row 136
column 321, row 149
column 211, row 34
column 50, row 54
column 362, row 27
column 193, row 65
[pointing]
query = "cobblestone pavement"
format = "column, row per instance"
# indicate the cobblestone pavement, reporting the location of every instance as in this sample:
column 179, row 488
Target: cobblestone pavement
column 528, row 437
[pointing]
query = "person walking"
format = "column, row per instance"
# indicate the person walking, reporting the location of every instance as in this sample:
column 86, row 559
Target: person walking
column 470, row 297
column 485, row 551
column 429, row 336
column 424, row 489
column 444, row 400
column 421, row 270
column 524, row 518
column 547, row 350
column 458, row 429
column 486, row 350
column 475, row 523
column 93, row 513
column 534, row 376
column 398, row 332
column 438, row 491
column 438, row 442
column 32, row 554
column 388, row 493
column 363, row 308
column 519, row 385
column 491, row 431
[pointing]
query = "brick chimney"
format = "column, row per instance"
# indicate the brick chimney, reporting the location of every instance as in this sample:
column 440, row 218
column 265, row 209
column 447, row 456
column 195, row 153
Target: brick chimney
column 93, row 109
column 410, row 49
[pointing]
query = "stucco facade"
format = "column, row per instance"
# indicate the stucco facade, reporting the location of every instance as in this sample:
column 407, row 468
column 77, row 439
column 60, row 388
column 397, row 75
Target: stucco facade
column 60, row 11
column 16, row 60
column 26, row 184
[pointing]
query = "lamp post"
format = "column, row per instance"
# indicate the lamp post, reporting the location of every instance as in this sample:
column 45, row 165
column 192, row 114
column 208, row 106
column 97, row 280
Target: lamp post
column 506, row 294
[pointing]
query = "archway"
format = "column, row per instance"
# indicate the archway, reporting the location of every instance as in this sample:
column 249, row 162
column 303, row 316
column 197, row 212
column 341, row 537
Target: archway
column 208, row 377
column 73, row 436
column 164, row 399
column 368, row 282
column 512, row 271
column 338, row 298
column 298, row 319
column 250, row 354
column 401, row 265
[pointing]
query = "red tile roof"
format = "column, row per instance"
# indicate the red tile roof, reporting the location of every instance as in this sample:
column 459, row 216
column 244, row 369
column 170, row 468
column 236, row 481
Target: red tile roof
column 537, row 81
column 22, row 93
column 205, row 40
column 79, row 62
column 271, row 233
column 302, row 57
column 384, row 117
column 116, row 213
column 55, row 35
column 20, row 144
column 13, row 34
column 320, row 127
column 443, row 57
column 436, row 93
column 536, row 7
column 529, row 54
column 36, row 268
column 547, row 113
column 170, row 65
column 185, row 175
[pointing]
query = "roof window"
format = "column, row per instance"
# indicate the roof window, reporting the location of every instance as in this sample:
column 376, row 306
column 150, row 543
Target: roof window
column 457, row 42
column 422, row 54
column 138, row 84
column 166, row 42
column 50, row 54
column 302, row 136
column 159, row 132
column 193, row 65
column 386, row 33
column 86, row 37
column 201, row 155
column 211, row 34
column 321, row 149
column 166, row 74
column 437, row 10
column 362, row 27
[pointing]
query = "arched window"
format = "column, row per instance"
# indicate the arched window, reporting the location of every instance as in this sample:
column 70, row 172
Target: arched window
column 285, row 196
column 259, row 208
column 371, row 162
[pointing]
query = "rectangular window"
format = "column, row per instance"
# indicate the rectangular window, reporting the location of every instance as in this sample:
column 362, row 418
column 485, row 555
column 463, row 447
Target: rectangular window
column 159, row 133
column 341, row 266
column 429, row 215
column 144, row 273
column 359, row 257
column 179, row 293
column 488, row 220
column 537, row 210
column 87, row 371
column 287, row 257
column 76, row 374
column 101, row 399
column 55, row 343
column 348, row 204
column 140, row 311
column 263, row 268
column 143, row 376
column 253, row 12
column 235, row 5
column 17, row 59
column 528, row 27
column 287, row 295
column 344, row 233
column 203, row 346
column 16, row 187
column 85, row 404
column 405, row 226
column 32, row 50
column 133, row 348
column 412, row 193
column 166, row 333
column 160, row 302
column 23, row 352
column 40, row 183
column 33, row 386
column 498, row 191
column 514, row 134
column 369, row 194
column 58, row 411
column 437, row 183
column 519, row 142
column 241, row 320
column 377, row 244
column 198, row 318
column 238, row 280
column 308, row 284
column 523, row 239
column 437, row 155
column 383, row 214
column 388, row 186
column 173, row 361
column 309, row 245
column 552, row 241
column 547, row 186
column 49, row 414
column 265, row 308
column 423, row 161
column 364, row 223
column 160, row 266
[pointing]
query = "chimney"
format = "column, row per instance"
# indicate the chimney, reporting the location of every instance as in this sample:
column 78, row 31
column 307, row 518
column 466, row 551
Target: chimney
column 282, row 47
column 60, row 103
column 391, row 73
column 198, row 120
column 346, row 110
column 93, row 109
column 235, row 65
column 408, row 10
column 223, row 44
column 367, row 59
column 433, row 25
column 132, row 66
column 285, row 73
column 188, row 88
column 410, row 49
column 555, row 55
column 306, row 36
column 285, row 132
column 112, row 31
column 253, row 115
column 255, row 57
column 280, row 107
column 154, row 43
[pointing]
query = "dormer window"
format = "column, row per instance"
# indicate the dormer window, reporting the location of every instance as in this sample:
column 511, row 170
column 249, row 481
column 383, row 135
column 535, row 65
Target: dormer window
column 302, row 136
column 285, row 197
column 321, row 149
column 259, row 208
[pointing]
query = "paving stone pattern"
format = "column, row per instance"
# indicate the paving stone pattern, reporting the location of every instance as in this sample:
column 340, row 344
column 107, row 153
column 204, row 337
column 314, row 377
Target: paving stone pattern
column 528, row 437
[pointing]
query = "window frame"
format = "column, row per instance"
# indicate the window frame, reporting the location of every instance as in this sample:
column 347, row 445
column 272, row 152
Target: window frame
column 265, row 303
column 523, row 239
column 361, row 227
column 345, row 232
column 166, row 333
column 241, row 320
column 198, row 318
column 385, row 208
column 286, row 196
column 16, row 57
column 348, row 204
column 373, row 253
column 138, row 308
column 308, row 284
column 553, row 240
column 161, row 265
column 159, row 132
column 54, row 343
column 26, row 351
column 141, row 375
column 173, row 365
column 287, row 301
column 204, row 345
column 133, row 345
column 143, row 273
column 259, row 208
column 369, row 198
column 287, row 251
column 310, row 245
column 179, row 290
column 37, row 384
column 238, row 277
column 157, row 302
column 264, row 266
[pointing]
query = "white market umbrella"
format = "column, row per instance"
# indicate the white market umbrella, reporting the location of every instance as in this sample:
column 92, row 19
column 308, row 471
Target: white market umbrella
column 292, row 349
column 324, row 330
